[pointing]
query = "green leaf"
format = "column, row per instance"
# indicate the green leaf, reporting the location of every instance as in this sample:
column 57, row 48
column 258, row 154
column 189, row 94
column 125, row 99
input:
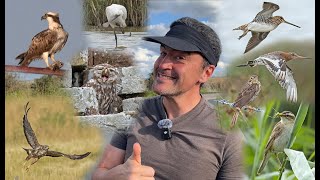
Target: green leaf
column 301, row 115
column 264, row 136
column 299, row 164
column 267, row 175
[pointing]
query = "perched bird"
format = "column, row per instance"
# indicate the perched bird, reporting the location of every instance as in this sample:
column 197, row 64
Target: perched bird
column 116, row 15
column 249, row 92
column 262, row 25
column 279, row 138
column 104, row 82
column 276, row 63
column 46, row 43
column 38, row 150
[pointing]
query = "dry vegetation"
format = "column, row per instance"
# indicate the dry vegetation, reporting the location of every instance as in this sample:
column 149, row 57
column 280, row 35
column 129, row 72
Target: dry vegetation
column 114, row 58
column 216, row 84
column 95, row 15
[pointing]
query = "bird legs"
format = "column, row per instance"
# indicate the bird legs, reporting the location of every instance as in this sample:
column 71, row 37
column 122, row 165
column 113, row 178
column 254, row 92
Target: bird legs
column 45, row 57
column 244, row 33
column 249, row 108
column 34, row 161
column 115, row 36
column 235, row 117
column 55, row 65
column 277, row 156
column 244, row 28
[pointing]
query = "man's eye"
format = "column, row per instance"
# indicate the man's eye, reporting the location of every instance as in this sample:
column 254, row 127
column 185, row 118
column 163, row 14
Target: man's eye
column 162, row 54
column 180, row 58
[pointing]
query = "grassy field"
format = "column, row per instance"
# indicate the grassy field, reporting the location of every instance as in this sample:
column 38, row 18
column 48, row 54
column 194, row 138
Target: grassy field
column 52, row 120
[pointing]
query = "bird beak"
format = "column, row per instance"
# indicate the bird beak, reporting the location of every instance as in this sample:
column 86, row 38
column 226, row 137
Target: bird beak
column 302, row 57
column 242, row 65
column 291, row 24
column 278, row 115
column 43, row 17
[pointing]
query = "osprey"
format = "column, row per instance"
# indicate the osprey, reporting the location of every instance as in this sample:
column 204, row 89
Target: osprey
column 38, row 151
column 46, row 43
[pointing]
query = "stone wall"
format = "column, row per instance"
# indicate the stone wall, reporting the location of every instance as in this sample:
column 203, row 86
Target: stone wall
column 124, row 82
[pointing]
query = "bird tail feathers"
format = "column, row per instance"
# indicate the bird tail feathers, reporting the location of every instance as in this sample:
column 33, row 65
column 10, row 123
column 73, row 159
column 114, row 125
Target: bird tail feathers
column 243, row 27
column 21, row 57
column 264, row 162
column 234, row 119
column 105, row 24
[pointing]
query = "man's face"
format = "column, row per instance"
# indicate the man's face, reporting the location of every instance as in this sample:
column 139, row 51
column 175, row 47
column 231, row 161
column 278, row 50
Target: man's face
column 177, row 72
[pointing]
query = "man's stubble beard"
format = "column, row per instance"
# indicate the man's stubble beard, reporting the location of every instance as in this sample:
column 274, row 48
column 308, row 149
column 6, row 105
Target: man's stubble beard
column 171, row 92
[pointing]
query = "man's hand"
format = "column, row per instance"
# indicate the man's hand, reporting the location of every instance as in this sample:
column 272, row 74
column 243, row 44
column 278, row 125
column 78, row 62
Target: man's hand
column 134, row 168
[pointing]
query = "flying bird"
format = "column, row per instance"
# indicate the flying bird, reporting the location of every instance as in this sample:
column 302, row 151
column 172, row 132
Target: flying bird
column 262, row 25
column 38, row 150
column 46, row 43
column 248, row 93
column 279, row 137
column 116, row 15
column 276, row 63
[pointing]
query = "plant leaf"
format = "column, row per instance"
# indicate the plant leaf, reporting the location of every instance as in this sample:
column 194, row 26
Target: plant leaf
column 299, row 164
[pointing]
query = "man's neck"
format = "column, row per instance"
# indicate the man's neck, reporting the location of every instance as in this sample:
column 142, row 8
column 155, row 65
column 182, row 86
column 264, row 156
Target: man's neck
column 176, row 106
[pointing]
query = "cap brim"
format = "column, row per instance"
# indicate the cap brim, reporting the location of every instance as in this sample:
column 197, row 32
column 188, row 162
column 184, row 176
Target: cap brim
column 173, row 42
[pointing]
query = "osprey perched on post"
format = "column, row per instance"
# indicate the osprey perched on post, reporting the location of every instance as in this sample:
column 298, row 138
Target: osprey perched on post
column 46, row 43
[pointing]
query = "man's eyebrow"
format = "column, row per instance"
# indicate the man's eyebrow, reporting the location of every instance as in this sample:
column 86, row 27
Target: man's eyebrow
column 166, row 47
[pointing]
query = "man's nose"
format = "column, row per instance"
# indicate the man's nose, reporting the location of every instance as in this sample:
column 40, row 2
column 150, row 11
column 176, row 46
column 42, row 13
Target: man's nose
column 165, row 62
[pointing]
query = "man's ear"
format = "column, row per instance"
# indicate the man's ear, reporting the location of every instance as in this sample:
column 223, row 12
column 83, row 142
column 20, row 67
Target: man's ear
column 207, row 73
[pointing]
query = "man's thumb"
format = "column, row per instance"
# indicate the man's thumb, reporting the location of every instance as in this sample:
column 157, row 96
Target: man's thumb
column 137, row 152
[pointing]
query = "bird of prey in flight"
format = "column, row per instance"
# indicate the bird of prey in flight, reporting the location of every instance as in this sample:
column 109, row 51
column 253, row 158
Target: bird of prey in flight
column 38, row 151
column 46, row 43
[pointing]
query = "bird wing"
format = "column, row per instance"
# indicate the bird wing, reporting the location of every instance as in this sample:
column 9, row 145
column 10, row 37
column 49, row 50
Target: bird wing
column 247, row 95
column 255, row 39
column 28, row 132
column 277, row 67
column 64, row 41
column 115, row 17
column 73, row 157
column 290, row 85
column 268, row 9
column 284, row 75
column 41, row 42
column 277, row 130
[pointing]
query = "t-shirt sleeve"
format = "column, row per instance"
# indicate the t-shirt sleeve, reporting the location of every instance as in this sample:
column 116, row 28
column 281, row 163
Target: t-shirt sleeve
column 119, row 140
column 232, row 164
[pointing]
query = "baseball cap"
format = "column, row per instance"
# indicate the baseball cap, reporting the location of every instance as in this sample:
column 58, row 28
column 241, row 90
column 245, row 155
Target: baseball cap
column 184, row 38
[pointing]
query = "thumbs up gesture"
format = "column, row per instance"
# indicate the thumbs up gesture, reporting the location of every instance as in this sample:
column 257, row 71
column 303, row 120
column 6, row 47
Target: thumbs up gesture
column 134, row 167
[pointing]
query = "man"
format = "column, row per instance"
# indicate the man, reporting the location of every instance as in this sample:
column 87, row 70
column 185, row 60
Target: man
column 199, row 148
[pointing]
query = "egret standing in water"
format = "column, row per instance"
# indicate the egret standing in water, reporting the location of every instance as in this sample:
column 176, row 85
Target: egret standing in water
column 116, row 15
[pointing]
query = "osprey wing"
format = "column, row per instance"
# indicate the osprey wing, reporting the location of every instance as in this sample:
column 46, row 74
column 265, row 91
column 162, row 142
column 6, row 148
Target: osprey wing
column 28, row 132
column 41, row 42
column 73, row 157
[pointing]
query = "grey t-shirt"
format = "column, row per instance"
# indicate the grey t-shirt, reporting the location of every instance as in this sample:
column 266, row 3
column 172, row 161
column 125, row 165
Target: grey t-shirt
column 199, row 148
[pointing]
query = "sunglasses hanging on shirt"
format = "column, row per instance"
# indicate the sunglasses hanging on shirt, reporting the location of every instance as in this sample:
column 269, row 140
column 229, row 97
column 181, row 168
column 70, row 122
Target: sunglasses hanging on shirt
column 165, row 125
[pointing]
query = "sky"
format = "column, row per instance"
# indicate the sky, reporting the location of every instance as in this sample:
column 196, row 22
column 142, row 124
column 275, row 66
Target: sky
column 223, row 16
column 23, row 21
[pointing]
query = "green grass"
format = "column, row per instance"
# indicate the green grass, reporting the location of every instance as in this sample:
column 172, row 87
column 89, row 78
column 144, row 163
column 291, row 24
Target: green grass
column 256, row 128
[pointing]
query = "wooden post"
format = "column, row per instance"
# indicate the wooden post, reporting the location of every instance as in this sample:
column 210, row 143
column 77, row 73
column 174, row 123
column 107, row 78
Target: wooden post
column 34, row 70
